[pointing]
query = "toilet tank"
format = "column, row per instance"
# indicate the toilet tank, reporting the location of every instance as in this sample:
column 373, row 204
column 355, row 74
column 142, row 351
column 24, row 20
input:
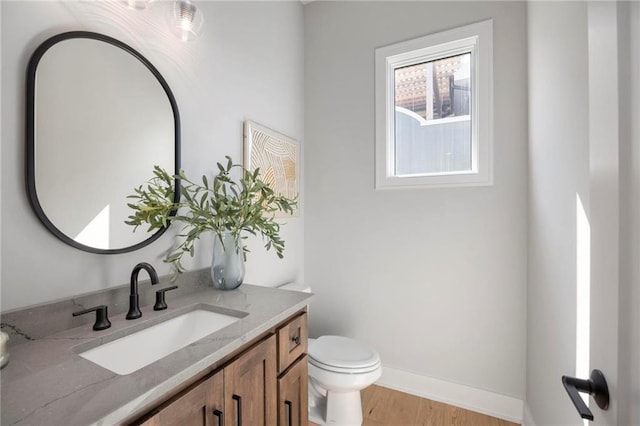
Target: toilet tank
column 296, row 287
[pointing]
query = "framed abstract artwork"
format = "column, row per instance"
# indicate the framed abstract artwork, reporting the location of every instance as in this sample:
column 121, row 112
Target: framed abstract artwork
column 277, row 157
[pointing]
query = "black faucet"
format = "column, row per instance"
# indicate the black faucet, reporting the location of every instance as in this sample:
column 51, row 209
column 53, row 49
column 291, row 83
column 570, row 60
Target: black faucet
column 134, row 307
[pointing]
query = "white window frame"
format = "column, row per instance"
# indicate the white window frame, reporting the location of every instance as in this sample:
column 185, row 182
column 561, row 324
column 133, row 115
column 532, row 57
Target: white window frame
column 478, row 40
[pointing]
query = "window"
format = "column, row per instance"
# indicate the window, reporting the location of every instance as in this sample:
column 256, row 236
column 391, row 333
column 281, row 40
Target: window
column 434, row 110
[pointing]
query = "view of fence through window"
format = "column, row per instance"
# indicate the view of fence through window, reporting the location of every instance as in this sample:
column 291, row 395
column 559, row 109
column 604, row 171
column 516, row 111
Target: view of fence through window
column 433, row 116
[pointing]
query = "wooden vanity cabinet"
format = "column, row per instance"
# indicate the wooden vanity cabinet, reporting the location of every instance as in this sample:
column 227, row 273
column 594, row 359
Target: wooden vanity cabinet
column 202, row 405
column 265, row 385
column 250, row 387
column 293, row 406
column 293, row 409
column 292, row 341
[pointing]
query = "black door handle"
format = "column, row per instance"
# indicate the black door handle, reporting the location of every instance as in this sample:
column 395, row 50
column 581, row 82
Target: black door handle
column 596, row 386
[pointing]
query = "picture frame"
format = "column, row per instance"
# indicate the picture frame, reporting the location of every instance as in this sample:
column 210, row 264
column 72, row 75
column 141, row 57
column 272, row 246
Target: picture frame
column 278, row 158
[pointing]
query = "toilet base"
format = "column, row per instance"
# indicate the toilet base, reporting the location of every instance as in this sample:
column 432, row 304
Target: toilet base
column 337, row 409
column 316, row 414
column 344, row 409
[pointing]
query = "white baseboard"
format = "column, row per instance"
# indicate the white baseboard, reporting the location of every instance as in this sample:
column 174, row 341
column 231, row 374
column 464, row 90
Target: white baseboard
column 527, row 417
column 469, row 398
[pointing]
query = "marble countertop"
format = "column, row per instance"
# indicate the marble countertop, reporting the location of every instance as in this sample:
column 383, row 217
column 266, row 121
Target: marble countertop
column 47, row 383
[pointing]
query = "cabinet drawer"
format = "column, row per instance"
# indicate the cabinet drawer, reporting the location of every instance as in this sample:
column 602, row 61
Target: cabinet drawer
column 292, row 341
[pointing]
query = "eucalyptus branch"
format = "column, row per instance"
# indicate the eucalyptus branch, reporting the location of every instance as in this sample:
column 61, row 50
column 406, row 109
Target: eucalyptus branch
column 218, row 206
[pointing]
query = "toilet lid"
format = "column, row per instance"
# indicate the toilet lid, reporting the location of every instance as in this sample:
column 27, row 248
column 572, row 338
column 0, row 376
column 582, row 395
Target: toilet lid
column 341, row 353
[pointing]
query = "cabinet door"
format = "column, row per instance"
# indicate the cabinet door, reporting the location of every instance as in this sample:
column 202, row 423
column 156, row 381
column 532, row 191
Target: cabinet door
column 293, row 397
column 202, row 405
column 250, row 387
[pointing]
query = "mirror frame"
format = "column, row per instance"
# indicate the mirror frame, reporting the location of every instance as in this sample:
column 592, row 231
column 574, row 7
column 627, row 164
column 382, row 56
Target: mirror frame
column 30, row 136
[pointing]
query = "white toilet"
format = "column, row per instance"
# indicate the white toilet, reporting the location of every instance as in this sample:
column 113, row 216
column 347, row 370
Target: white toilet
column 339, row 368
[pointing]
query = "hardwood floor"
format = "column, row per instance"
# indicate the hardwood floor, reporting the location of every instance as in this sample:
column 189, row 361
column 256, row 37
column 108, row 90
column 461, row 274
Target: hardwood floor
column 386, row 407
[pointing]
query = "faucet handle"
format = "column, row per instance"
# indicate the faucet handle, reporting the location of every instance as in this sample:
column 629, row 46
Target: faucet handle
column 160, row 302
column 102, row 318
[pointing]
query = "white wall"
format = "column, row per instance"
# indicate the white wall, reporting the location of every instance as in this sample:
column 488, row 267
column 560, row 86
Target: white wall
column 434, row 279
column 1, row 135
column 629, row 352
column 248, row 64
column 558, row 170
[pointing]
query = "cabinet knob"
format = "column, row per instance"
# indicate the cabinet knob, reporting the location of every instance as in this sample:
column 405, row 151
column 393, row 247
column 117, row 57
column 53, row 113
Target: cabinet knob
column 296, row 340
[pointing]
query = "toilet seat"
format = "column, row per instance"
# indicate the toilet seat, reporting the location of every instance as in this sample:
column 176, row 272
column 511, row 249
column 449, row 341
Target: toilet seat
column 340, row 354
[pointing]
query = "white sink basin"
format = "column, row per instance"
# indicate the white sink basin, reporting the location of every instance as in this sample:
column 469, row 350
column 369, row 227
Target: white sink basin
column 137, row 350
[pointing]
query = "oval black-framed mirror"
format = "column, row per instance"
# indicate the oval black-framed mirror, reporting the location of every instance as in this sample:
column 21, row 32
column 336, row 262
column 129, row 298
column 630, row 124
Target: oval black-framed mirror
column 99, row 117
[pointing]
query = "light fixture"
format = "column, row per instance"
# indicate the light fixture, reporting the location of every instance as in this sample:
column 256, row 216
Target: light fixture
column 137, row 4
column 185, row 20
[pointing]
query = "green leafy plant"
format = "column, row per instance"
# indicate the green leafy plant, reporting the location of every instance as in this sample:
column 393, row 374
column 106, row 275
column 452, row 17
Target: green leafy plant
column 223, row 205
